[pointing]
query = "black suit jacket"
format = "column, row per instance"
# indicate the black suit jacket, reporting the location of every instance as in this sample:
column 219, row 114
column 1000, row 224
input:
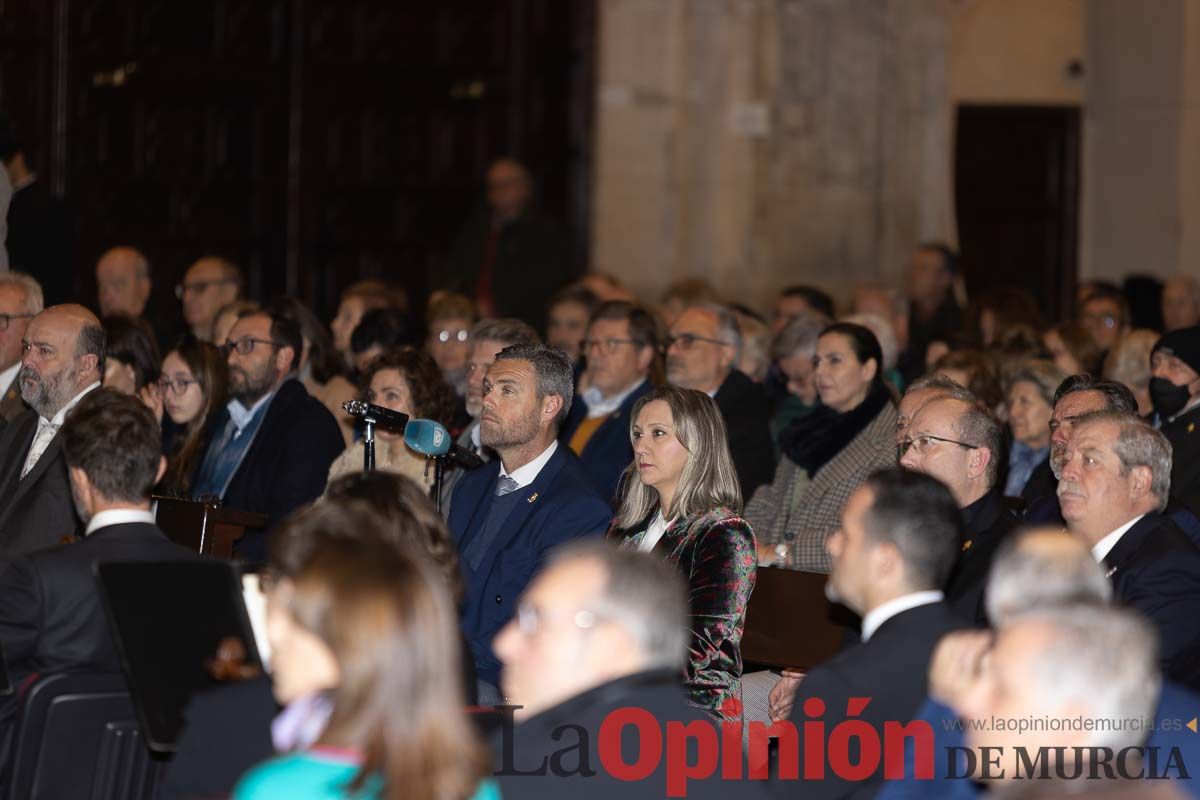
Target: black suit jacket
column 1155, row 569
column 743, row 404
column 890, row 669
column 41, row 241
column 35, row 511
column 287, row 463
column 1184, row 435
column 988, row 523
column 51, row 615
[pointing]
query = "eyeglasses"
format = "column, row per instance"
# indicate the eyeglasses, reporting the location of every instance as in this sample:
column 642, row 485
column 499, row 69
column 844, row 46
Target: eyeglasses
column 606, row 346
column 1107, row 320
column 924, row 442
column 177, row 386
column 458, row 336
column 687, row 340
column 6, row 318
column 245, row 346
column 530, row 619
column 198, row 286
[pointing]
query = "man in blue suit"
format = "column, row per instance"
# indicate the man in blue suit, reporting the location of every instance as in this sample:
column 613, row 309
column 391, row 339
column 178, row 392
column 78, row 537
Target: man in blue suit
column 621, row 347
column 507, row 515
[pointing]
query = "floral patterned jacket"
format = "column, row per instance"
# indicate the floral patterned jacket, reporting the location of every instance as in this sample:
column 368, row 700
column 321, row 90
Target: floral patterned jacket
column 715, row 552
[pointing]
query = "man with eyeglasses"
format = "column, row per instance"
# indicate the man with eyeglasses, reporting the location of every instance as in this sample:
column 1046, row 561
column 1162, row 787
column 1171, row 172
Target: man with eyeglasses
column 961, row 443
column 20, row 301
column 620, row 346
column 599, row 630
column 208, row 285
column 702, row 348
column 270, row 449
column 1105, row 315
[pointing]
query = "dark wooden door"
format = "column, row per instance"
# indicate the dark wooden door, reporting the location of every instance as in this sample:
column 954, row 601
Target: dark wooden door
column 1017, row 198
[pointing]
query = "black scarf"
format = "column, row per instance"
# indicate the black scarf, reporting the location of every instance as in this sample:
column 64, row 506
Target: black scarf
column 812, row 441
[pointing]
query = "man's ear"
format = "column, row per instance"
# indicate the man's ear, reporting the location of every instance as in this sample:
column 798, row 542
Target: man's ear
column 645, row 358
column 90, row 363
column 80, row 484
column 1143, row 478
column 551, row 405
column 283, row 359
column 981, row 457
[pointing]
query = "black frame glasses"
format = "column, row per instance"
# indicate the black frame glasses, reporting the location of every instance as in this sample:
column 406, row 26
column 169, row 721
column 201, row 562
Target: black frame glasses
column 922, row 449
column 176, row 386
column 245, row 346
column 199, row 286
column 608, row 345
column 687, row 340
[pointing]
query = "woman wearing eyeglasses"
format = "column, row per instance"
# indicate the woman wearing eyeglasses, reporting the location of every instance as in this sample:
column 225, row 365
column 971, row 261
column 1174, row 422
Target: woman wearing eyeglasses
column 828, row 453
column 681, row 501
column 192, row 389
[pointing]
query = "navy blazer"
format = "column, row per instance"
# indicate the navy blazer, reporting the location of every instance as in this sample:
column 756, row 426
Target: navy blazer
column 608, row 451
column 560, row 505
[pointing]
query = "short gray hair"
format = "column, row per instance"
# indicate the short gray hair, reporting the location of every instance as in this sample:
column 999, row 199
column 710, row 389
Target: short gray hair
column 799, row 335
column 979, row 427
column 1138, row 445
column 32, row 301
column 505, row 330
column 1102, row 658
column 641, row 593
column 947, row 387
column 728, row 330
column 1038, row 568
column 555, row 373
column 1043, row 374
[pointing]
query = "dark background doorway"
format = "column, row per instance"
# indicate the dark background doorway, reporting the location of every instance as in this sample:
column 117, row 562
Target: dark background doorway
column 315, row 142
column 1017, row 200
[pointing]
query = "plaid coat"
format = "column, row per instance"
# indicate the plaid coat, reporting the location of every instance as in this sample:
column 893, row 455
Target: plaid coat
column 810, row 510
column 715, row 553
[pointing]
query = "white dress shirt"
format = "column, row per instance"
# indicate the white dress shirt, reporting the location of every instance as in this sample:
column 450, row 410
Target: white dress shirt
column 118, row 516
column 1102, row 548
column 47, row 429
column 528, row 474
column 600, row 406
column 658, row 526
column 898, row 605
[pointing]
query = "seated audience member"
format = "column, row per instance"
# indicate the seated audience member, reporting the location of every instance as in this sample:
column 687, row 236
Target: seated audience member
column 405, row 380
column 208, row 285
column 20, row 301
column 131, row 360
column 754, row 360
column 229, row 314
column 827, row 454
column 567, row 320
column 934, row 313
column 957, row 440
column 1175, row 392
column 506, row 515
column 1072, row 350
column 357, row 299
column 1180, row 303
column 488, row 338
column 64, row 361
column 895, row 547
column 381, row 329
column 975, row 370
column 1104, row 314
column 626, row 649
column 681, row 502
column 683, row 294
column 792, row 352
column 123, row 282
column 448, row 319
column 270, row 448
column 1113, row 488
column 607, row 287
column 51, row 616
column 1004, row 316
column 887, row 345
column 1128, row 362
column 702, row 348
column 923, row 390
column 361, row 638
column 1075, row 396
column 1061, row 664
column 229, row 729
column 621, row 350
column 1029, row 398
column 887, row 304
column 319, row 366
column 195, row 387
column 796, row 300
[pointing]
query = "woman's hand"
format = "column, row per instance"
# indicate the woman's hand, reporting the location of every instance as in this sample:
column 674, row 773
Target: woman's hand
column 152, row 395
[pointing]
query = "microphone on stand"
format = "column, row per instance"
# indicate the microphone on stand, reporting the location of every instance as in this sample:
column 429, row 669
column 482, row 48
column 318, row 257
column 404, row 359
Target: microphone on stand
column 376, row 415
column 431, row 439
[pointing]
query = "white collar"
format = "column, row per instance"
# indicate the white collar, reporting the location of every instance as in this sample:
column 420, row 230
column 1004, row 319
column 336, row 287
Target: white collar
column 62, row 412
column 600, row 406
column 1195, row 401
column 8, row 376
column 1102, row 548
column 118, row 516
column 881, row 613
column 475, row 440
column 241, row 416
column 528, row 474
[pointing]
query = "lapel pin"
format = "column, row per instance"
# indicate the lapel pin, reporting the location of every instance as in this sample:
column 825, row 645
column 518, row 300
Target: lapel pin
column 966, row 545
column 532, row 497
column 1191, row 427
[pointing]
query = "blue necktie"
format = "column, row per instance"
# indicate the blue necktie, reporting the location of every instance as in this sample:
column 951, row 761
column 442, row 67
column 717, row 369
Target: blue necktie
column 506, row 484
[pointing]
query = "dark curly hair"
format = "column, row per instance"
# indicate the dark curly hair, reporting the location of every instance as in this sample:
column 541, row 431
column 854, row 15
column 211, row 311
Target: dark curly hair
column 432, row 397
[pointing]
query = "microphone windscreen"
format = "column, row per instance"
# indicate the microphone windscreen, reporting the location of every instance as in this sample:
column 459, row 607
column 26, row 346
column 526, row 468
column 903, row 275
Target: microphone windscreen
column 427, row 437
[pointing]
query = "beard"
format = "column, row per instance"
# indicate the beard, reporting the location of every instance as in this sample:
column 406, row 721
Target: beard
column 1057, row 454
column 248, row 387
column 499, row 436
column 46, row 394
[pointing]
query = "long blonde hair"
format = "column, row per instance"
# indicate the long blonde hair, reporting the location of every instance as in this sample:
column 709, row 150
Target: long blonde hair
column 708, row 480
